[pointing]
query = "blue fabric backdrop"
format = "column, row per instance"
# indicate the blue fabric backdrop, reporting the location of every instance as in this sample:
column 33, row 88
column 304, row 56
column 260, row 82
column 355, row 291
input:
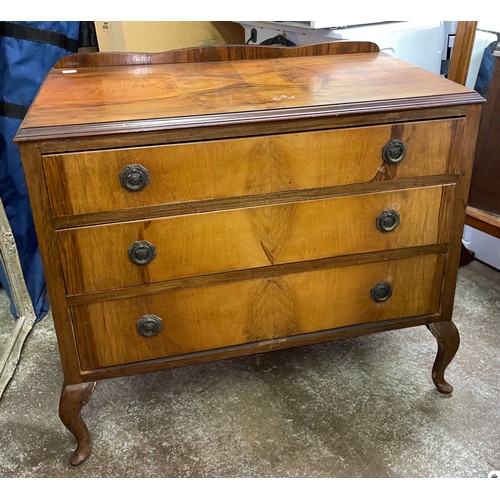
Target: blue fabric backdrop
column 23, row 67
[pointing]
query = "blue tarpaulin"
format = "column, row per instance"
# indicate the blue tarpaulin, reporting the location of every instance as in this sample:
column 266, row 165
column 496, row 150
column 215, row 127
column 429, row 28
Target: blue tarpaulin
column 28, row 50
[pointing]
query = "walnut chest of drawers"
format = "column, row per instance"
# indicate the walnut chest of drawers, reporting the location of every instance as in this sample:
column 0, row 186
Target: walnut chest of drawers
column 219, row 202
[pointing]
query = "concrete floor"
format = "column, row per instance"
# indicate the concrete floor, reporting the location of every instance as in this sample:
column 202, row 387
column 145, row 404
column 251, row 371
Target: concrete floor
column 362, row 407
column 7, row 322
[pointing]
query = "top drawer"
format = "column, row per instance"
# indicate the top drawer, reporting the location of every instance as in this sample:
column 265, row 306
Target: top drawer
column 101, row 181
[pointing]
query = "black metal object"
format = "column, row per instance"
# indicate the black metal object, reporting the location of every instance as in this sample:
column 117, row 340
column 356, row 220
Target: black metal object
column 394, row 151
column 134, row 177
column 149, row 325
column 381, row 292
column 141, row 253
column 387, row 221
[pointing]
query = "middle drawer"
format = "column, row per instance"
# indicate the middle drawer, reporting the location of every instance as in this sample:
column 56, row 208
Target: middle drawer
column 132, row 253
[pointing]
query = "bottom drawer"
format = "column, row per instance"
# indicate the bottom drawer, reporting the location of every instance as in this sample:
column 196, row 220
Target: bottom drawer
column 194, row 319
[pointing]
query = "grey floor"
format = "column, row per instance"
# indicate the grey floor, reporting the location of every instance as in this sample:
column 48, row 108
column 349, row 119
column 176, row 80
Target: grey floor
column 362, row 407
column 7, row 322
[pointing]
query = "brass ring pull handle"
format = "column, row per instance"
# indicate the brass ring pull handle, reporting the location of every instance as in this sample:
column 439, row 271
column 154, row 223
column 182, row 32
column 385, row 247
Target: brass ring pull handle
column 141, row 253
column 394, row 151
column 134, row 177
column 149, row 325
column 387, row 221
column 381, row 292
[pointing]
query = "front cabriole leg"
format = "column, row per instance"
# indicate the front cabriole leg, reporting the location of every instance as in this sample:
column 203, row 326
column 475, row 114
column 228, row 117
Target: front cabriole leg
column 448, row 340
column 73, row 399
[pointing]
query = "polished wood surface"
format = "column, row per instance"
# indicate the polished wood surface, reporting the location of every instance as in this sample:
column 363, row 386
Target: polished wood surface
column 448, row 340
column 487, row 222
column 462, row 51
column 88, row 182
column 217, row 53
column 254, row 273
column 205, row 90
column 47, row 242
column 247, row 311
column 462, row 156
column 96, row 257
column 73, row 399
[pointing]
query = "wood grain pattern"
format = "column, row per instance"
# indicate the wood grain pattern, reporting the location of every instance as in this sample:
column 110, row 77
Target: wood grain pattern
column 248, row 311
column 255, row 273
column 210, row 54
column 248, row 201
column 127, row 93
column 154, row 131
column 88, row 182
column 73, row 398
column 96, row 257
column 448, row 340
column 487, row 222
column 303, row 339
column 462, row 51
column 462, row 157
column 49, row 251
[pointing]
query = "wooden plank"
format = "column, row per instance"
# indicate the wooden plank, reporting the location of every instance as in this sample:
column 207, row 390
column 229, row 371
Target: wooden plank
column 483, row 221
column 217, row 53
column 462, row 51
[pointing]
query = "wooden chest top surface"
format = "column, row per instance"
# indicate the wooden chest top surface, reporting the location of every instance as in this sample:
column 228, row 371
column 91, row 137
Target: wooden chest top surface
column 106, row 95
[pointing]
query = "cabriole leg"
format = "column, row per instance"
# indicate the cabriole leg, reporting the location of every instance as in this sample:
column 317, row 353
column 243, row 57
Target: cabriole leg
column 73, row 399
column 448, row 340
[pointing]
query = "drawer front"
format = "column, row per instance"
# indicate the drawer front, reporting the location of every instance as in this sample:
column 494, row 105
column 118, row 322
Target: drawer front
column 198, row 319
column 133, row 253
column 90, row 182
